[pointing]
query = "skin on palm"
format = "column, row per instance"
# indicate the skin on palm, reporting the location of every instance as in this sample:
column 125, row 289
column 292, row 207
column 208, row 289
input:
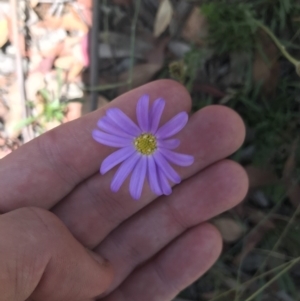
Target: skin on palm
column 59, row 172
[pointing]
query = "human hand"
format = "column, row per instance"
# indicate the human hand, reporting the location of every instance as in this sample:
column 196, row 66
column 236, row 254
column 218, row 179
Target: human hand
column 56, row 208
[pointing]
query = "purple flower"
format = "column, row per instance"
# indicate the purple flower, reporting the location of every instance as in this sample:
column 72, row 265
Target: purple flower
column 145, row 149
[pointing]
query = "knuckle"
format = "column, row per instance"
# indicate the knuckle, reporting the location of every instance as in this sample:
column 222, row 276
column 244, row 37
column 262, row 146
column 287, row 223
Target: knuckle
column 25, row 249
column 34, row 225
column 53, row 154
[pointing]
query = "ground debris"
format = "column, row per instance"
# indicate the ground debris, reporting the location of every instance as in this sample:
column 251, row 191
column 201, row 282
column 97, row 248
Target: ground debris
column 54, row 37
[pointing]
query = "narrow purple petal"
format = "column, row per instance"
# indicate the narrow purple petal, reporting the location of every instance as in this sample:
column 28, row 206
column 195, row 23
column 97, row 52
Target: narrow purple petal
column 168, row 144
column 156, row 112
column 142, row 113
column 123, row 121
column 138, row 178
column 110, row 140
column 115, row 158
column 153, row 177
column 165, row 186
column 173, row 126
column 176, row 158
column 167, row 169
column 109, row 127
column 123, row 172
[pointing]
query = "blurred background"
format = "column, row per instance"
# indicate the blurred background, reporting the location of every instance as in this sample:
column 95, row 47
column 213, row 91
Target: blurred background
column 62, row 59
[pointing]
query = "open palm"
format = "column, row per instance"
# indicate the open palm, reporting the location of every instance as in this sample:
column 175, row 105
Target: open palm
column 65, row 236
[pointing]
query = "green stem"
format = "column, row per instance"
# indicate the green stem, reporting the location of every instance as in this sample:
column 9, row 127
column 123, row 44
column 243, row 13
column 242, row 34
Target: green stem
column 132, row 42
column 281, row 47
column 243, row 285
column 283, row 234
column 265, row 219
column 273, row 279
column 106, row 87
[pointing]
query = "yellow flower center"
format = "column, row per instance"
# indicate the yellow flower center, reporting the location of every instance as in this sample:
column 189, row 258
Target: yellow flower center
column 145, row 144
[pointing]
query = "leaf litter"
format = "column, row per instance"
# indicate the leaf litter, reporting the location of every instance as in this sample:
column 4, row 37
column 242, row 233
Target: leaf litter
column 222, row 59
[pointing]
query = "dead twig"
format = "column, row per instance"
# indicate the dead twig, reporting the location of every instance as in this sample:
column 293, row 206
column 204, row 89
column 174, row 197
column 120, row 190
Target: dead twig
column 27, row 131
column 94, row 54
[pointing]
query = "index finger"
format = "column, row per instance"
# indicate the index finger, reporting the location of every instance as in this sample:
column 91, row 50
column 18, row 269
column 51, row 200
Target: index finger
column 43, row 171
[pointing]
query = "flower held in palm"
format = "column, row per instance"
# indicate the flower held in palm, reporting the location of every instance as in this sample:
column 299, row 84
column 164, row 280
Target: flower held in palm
column 145, row 149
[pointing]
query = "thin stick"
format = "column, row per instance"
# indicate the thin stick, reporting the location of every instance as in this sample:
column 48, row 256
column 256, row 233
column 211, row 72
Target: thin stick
column 273, row 279
column 94, row 54
column 274, row 209
column 247, row 283
column 107, row 87
column 58, row 1
column 27, row 132
column 278, row 44
column 132, row 42
column 282, row 235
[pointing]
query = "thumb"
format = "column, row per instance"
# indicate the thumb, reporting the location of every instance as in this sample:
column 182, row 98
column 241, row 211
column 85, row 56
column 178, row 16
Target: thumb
column 41, row 260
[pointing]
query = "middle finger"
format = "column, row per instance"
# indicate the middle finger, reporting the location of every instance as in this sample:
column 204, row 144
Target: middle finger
column 198, row 199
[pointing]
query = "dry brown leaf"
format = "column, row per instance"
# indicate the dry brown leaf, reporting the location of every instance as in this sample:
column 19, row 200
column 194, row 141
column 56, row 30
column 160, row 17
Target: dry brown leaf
column 209, row 89
column 70, row 42
column 141, row 74
column 39, row 105
column 71, row 21
column 256, row 216
column 34, row 3
column 207, row 296
column 163, row 17
column 74, row 71
column 64, row 62
column 266, row 72
column 288, row 171
column 42, row 10
column 3, row 80
column 84, row 44
column 2, row 141
column 4, row 152
column 21, row 38
column 3, row 109
column 290, row 163
column 78, row 54
column 157, row 55
column 15, row 113
column 87, row 16
column 44, row 65
column 73, row 111
column 294, row 196
column 196, row 28
column 86, row 3
column 53, row 51
column 254, row 238
column 3, row 32
column 34, row 62
column 51, row 125
column 53, row 79
column 230, row 230
column 259, row 177
column 50, row 22
column 34, row 83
